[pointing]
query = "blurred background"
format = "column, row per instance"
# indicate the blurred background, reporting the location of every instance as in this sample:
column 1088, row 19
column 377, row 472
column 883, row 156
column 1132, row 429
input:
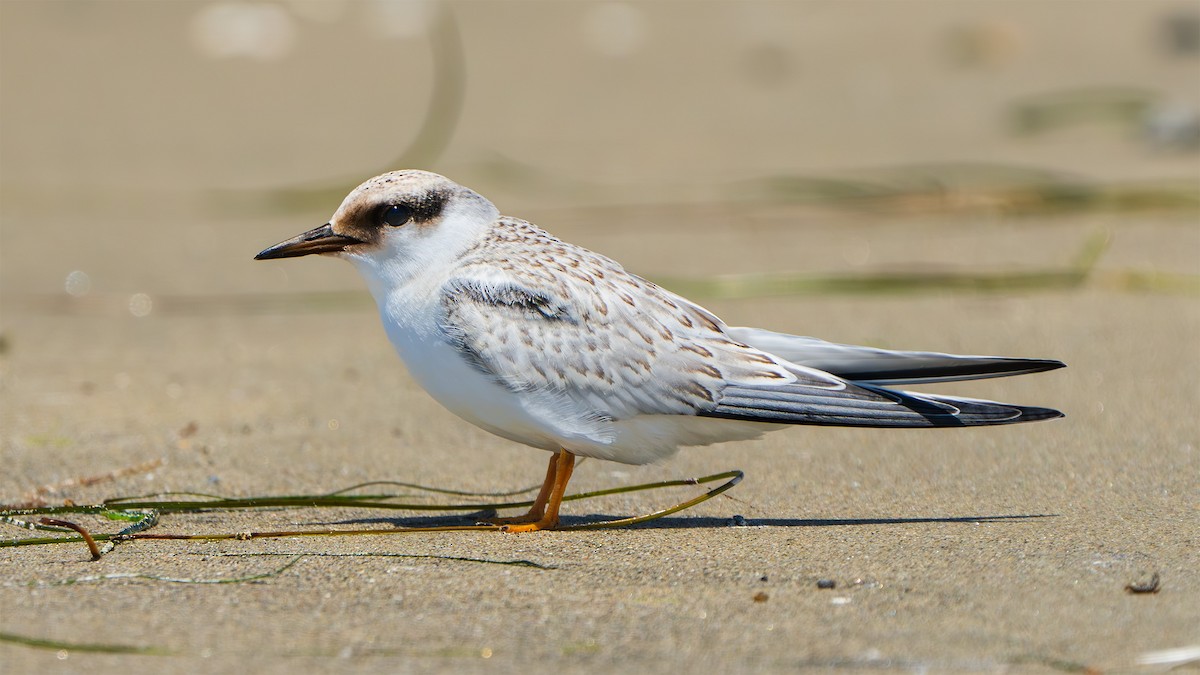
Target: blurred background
column 141, row 138
column 920, row 174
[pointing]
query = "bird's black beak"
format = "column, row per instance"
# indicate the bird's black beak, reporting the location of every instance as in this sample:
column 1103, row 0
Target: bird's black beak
column 319, row 240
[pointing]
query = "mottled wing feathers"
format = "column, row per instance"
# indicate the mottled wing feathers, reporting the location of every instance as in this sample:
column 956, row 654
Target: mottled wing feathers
column 522, row 300
column 518, row 301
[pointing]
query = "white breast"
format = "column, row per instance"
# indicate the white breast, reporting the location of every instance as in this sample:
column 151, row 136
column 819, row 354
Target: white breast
column 454, row 382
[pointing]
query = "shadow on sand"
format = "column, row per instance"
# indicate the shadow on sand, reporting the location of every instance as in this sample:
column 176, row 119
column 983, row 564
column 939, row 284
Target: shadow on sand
column 699, row 522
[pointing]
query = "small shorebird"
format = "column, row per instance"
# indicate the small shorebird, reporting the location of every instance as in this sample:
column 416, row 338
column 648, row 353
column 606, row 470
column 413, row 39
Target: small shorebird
column 551, row 345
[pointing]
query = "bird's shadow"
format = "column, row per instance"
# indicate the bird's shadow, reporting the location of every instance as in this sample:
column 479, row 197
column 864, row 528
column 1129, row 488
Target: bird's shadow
column 697, row 522
column 683, row 522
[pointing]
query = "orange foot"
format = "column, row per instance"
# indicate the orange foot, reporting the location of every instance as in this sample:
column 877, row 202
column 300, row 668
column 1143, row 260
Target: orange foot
column 532, row 526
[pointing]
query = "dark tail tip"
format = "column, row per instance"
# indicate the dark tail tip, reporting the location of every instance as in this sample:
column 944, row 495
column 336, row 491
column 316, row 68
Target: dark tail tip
column 1031, row 414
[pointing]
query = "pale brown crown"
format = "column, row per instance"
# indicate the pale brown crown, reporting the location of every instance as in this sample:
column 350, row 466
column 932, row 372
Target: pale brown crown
column 424, row 195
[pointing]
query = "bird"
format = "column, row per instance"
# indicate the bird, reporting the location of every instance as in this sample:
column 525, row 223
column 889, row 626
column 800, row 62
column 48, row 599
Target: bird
column 552, row 345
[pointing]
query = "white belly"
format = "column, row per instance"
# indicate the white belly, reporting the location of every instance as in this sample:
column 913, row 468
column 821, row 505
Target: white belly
column 465, row 391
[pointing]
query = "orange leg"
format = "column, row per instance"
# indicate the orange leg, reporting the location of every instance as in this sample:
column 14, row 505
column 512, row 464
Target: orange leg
column 544, row 513
column 539, row 505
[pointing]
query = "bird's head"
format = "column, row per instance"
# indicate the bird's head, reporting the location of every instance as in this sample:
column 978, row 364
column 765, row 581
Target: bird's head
column 394, row 222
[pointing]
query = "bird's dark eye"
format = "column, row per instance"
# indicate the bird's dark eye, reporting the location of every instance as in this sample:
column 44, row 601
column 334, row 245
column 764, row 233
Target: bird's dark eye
column 396, row 215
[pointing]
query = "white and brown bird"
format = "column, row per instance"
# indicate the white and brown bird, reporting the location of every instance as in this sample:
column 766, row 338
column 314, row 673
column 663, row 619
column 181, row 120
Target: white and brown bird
column 551, row 345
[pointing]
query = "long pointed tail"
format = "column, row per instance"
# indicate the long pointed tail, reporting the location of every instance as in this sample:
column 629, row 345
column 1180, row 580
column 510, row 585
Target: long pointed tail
column 883, row 366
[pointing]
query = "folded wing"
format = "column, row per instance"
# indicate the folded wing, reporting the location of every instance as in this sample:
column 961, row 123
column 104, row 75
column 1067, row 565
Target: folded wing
column 589, row 345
